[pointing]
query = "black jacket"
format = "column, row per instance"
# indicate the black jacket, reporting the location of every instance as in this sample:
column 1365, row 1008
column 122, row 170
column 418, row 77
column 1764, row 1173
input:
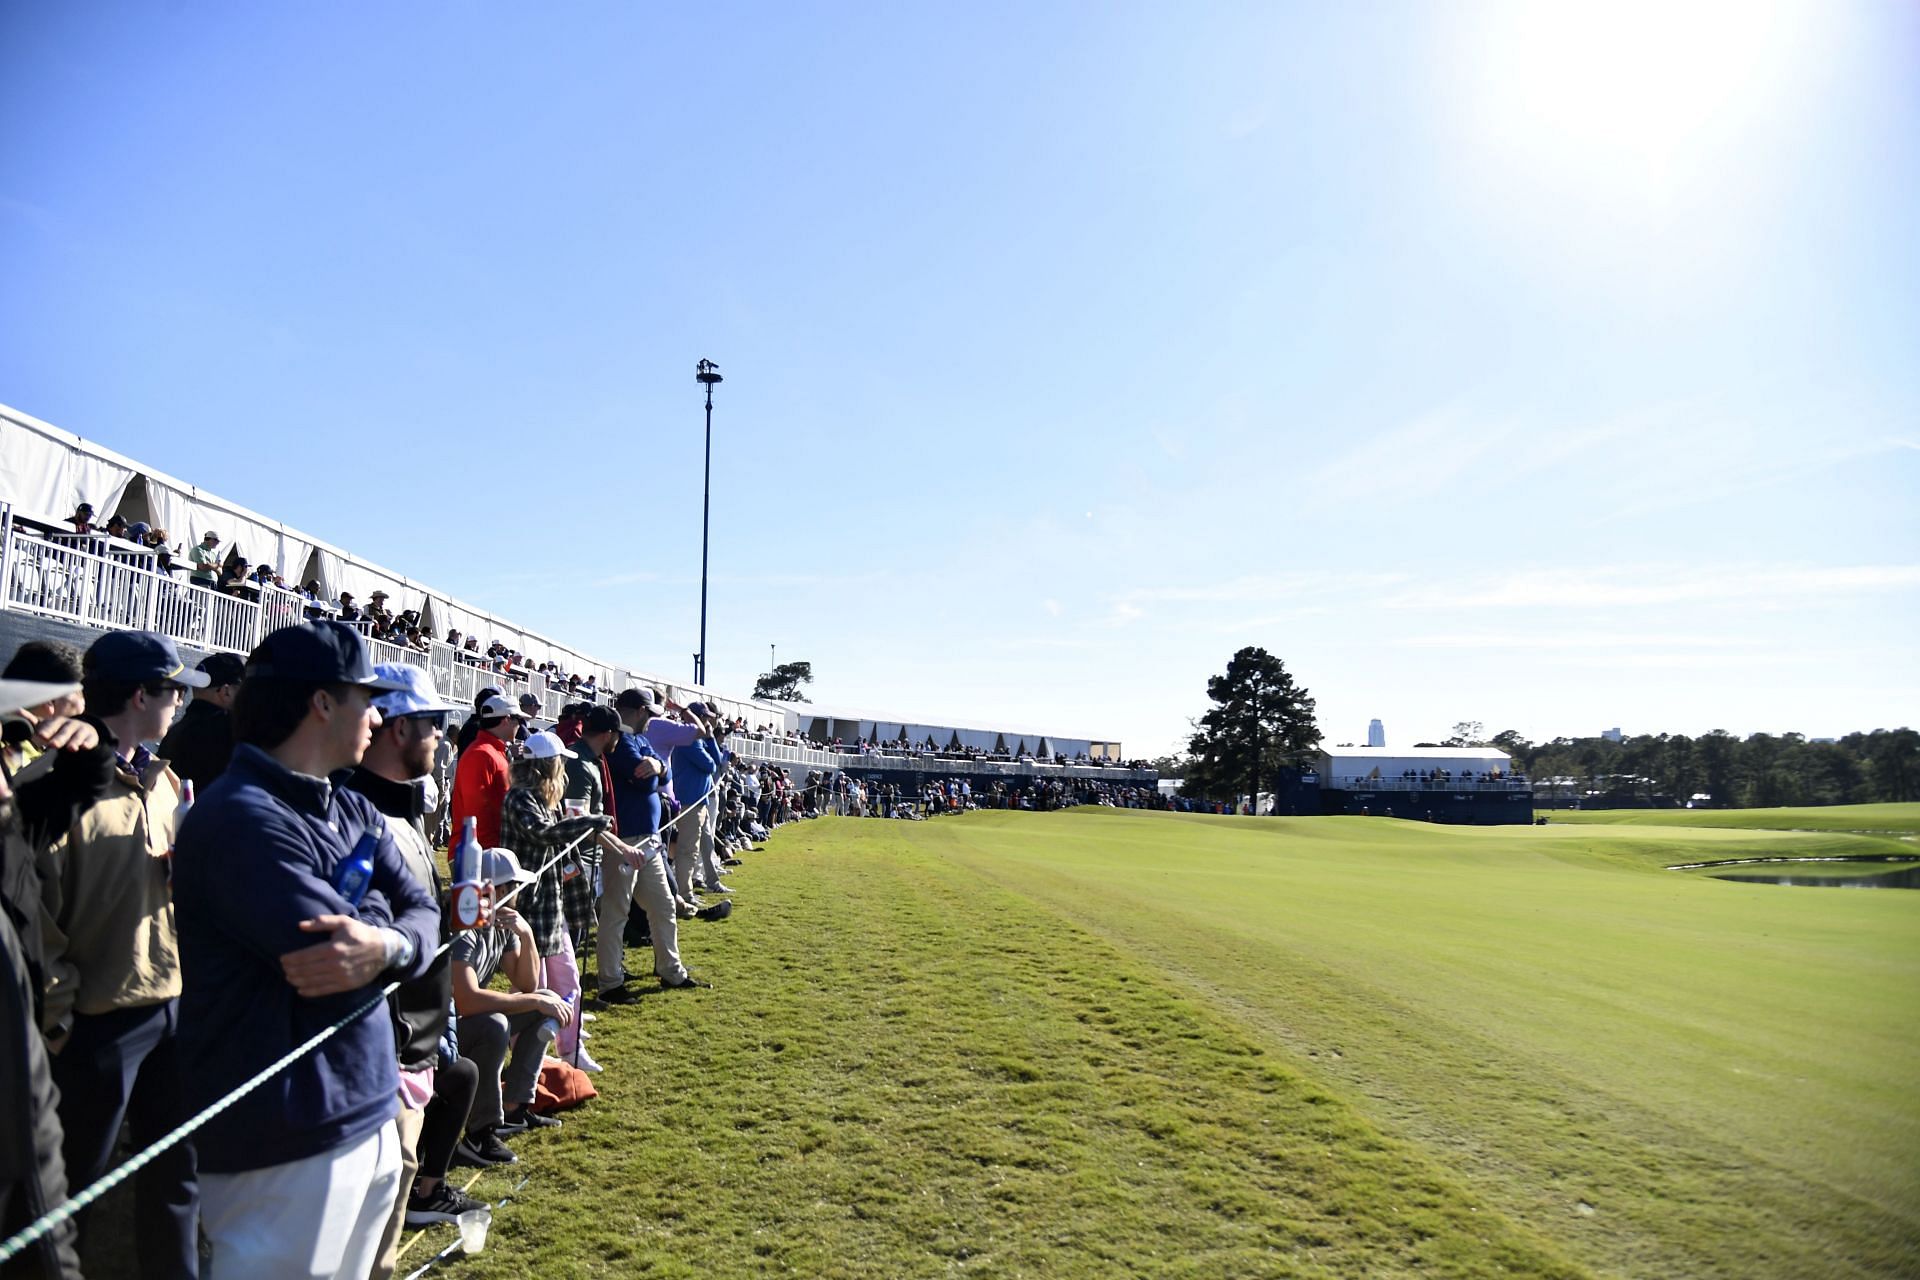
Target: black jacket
column 419, row 1007
column 200, row 744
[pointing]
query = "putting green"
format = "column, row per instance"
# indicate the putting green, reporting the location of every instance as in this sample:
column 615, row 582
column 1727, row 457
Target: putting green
column 1898, row 819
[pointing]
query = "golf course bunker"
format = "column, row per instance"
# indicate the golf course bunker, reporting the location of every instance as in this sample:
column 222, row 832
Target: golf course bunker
column 1887, row 872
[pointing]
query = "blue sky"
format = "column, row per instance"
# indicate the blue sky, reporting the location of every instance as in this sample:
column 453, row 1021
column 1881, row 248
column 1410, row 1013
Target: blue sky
column 1548, row 366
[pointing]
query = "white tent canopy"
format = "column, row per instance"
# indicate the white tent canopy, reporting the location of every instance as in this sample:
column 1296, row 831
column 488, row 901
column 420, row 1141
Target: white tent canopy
column 1396, row 762
column 46, row 472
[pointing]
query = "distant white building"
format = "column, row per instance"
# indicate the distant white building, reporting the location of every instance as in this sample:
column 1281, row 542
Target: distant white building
column 1376, row 734
column 1347, row 768
column 1611, row 735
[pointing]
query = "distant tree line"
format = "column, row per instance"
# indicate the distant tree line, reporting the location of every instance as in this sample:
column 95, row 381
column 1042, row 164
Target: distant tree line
column 1759, row 771
column 1262, row 721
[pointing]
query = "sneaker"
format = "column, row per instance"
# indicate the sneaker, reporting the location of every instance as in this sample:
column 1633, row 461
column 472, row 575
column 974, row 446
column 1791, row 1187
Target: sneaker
column 622, row 994
column 525, row 1120
column 687, row 983
column 446, row 1204
column 718, row 911
column 584, row 1060
column 730, row 862
column 481, row 1149
column 717, row 887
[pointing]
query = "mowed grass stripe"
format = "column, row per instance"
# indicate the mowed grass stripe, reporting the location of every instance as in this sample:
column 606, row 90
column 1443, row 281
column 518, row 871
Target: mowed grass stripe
column 1720, row 1074
column 1896, row 819
column 910, row 1071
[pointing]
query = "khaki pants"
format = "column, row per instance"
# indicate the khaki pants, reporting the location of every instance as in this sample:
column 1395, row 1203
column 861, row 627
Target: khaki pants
column 695, row 849
column 409, row 1121
column 619, row 885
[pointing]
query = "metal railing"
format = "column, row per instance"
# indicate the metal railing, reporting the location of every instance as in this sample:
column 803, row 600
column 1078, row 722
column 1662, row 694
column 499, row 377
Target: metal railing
column 65, row 581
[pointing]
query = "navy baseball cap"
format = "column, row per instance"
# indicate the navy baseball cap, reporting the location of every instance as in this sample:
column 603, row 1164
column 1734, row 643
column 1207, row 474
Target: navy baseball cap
column 317, row 653
column 140, row 657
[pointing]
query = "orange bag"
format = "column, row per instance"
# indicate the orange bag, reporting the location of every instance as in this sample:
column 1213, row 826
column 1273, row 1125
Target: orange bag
column 561, row 1085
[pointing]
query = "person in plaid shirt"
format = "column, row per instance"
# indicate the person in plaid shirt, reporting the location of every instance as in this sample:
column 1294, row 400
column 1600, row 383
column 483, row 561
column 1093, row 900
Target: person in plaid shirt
column 562, row 899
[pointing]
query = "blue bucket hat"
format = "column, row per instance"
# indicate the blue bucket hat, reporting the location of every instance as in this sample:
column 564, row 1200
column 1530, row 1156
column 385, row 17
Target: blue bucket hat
column 417, row 697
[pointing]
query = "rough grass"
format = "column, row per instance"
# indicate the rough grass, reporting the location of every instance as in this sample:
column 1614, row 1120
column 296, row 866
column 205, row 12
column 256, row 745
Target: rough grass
column 1106, row 1044
column 907, row 1070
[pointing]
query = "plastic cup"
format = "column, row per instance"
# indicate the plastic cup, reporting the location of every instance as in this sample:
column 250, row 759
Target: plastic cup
column 574, row 808
column 473, row 1229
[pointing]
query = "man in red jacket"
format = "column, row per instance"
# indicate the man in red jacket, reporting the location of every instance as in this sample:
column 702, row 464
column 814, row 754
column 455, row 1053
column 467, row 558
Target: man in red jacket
column 480, row 782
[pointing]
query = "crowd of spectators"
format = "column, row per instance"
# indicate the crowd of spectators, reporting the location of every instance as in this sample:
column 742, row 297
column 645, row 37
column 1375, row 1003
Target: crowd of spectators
column 217, row 566
column 190, row 895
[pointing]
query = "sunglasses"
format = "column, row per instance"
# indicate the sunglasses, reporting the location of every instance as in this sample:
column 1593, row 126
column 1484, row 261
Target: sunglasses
column 435, row 719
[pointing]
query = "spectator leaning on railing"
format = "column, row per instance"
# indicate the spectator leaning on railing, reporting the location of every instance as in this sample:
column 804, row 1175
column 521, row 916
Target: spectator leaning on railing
column 205, row 558
column 561, row 899
column 281, row 938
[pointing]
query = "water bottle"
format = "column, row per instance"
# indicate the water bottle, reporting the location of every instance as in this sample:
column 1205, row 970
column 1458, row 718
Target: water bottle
column 179, row 817
column 469, row 908
column 352, row 877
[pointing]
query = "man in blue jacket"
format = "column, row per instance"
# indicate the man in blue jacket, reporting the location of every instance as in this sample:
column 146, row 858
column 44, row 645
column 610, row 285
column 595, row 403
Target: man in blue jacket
column 696, row 757
column 279, row 939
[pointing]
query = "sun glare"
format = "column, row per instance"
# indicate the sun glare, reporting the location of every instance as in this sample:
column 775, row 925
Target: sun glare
column 1629, row 95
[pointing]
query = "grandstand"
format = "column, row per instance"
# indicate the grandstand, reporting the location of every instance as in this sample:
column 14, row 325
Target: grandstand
column 1436, row 784
column 57, row 581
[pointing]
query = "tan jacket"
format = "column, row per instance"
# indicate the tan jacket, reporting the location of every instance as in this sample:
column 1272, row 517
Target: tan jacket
column 107, row 908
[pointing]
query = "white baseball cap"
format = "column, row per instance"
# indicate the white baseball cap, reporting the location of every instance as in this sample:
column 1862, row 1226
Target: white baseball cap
column 500, row 866
column 545, row 745
column 498, row 708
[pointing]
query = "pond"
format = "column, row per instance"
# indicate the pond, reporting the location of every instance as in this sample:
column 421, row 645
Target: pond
column 1831, row 875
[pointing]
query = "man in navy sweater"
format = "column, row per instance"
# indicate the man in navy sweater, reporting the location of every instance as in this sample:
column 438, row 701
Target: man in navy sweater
column 279, row 940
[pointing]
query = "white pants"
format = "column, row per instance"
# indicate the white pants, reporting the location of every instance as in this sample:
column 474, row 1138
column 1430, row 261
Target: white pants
column 319, row 1218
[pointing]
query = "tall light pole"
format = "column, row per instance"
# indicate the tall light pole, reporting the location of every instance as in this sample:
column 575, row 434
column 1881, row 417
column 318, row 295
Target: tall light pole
column 706, row 373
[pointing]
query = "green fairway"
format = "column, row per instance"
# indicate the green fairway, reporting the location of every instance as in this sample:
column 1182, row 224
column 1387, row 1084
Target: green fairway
column 1899, row 819
column 1101, row 1043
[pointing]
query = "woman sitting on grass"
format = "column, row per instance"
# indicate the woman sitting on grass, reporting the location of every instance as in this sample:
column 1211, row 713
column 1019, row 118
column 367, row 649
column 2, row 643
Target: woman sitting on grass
column 562, row 898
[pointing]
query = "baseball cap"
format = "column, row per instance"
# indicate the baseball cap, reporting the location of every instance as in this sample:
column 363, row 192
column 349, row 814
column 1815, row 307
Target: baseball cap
column 640, row 697
column 316, row 653
column 499, row 866
column 698, row 708
column 417, row 697
column 140, row 656
column 530, row 704
column 15, row 694
column 222, row 669
column 497, row 707
column 544, row 746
